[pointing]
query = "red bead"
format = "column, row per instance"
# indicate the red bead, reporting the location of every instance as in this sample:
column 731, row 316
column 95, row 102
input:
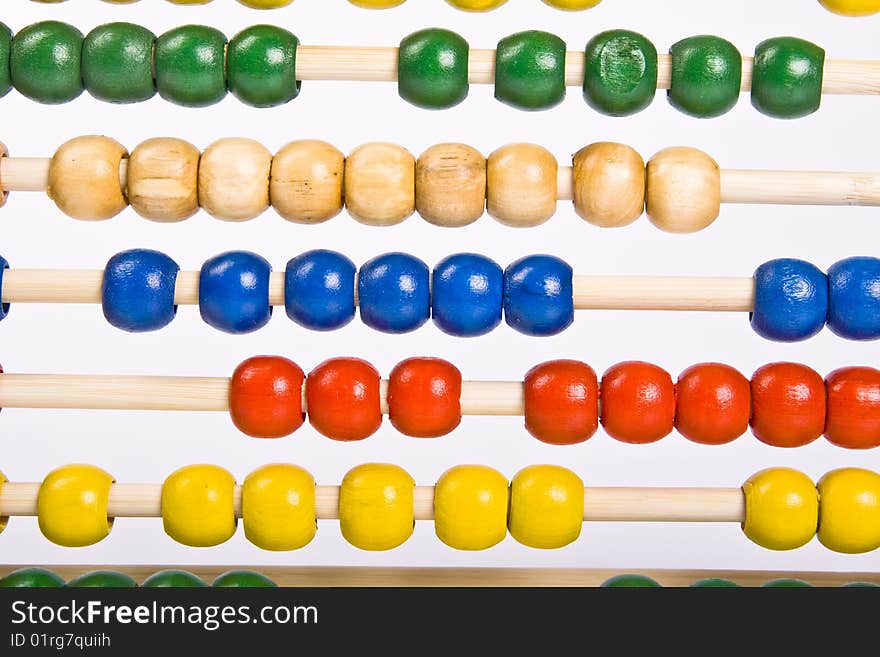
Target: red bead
column 424, row 397
column 561, row 402
column 265, row 397
column 713, row 404
column 342, row 395
column 638, row 402
column 853, row 407
column 788, row 405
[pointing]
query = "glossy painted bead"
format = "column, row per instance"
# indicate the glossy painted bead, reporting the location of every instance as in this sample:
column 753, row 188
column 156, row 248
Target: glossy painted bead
column 791, row 300
column 572, row 5
column 849, row 510
column 638, row 402
column 265, row 397
column 173, row 579
column 787, row 77
column 234, row 292
column 852, row 7
column 265, row 4
column 197, row 505
column 713, row 404
column 538, row 295
column 4, row 307
column 546, row 506
column 376, row 506
column 470, row 507
column 476, row 5
column 319, row 290
column 853, row 419
column 706, row 76
column 467, row 295
column 342, row 397
column 620, row 72
column 137, row 292
column 788, row 405
column 530, row 70
column 5, row 51
column 854, row 298
column 117, row 63
column 31, row 578
column 432, row 69
column 190, row 66
column 104, row 579
column 261, row 66
column 243, row 579
column 278, row 507
column 72, row 505
column 394, row 293
column 424, row 397
column 782, row 509
column 714, row 583
column 786, row 583
column 376, row 4
column 630, row 582
column 45, row 62
column 561, row 400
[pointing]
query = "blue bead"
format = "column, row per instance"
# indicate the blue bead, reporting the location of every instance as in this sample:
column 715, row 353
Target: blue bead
column 854, row 298
column 137, row 294
column 319, row 290
column 791, row 300
column 467, row 295
column 394, row 293
column 4, row 308
column 234, row 292
column 538, row 296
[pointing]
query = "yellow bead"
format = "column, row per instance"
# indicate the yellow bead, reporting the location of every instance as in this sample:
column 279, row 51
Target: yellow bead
column 265, row 4
column 572, row 5
column 546, row 506
column 376, row 4
column 3, row 519
column 376, row 506
column 278, row 507
column 849, row 510
column 852, row 7
column 72, row 505
column 782, row 509
column 470, row 507
column 476, row 5
column 197, row 505
column 189, row 2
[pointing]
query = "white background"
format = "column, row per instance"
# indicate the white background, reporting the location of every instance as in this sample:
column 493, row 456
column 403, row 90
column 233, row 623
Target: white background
column 146, row 447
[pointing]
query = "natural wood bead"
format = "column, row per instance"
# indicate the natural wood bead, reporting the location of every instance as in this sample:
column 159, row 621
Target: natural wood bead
column 4, row 152
column 163, row 179
column 683, row 190
column 306, row 184
column 234, row 179
column 380, row 188
column 609, row 184
column 451, row 185
column 522, row 185
column 84, row 178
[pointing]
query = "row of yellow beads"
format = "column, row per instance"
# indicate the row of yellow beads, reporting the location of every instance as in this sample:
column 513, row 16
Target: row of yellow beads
column 467, row 5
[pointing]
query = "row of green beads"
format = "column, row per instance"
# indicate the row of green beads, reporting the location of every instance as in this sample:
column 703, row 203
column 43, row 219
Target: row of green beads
column 42, row 578
column 645, row 582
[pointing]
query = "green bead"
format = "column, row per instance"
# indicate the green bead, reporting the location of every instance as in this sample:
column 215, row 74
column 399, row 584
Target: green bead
column 104, row 579
column 45, row 62
column 190, row 67
column 243, row 579
column 860, row 585
column 173, row 579
column 530, row 70
column 620, row 73
column 432, row 69
column 31, row 578
column 630, row 581
column 715, row 583
column 787, row 77
column 117, row 63
column 786, row 583
column 261, row 66
column 706, row 76
column 5, row 47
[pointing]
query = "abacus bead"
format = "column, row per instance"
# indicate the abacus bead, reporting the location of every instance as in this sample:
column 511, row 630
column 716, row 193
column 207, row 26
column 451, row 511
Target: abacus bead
column 852, row 7
column 265, row 4
column 787, row 77
column 713, row 404
column 849, row 510
column 319, row 290
column 546, row 506
column 467, row 295
column 190, row 66
column 854, row 298
column 234, row 179
column 31, row 578
column 278, row 507
column 538, row 295
column 530, row 70
column 630, row 582
column 5, row 51
column 572, row 5
column 522, row 185
column 265, row 397
column 45, row 62
column 561, row 402
column 234, row 292
column 786, row 583
column 683, row 190
column 638, row 402
column 620, row 72
column 261, row 66
column 380, row 184
column 451, row 185
column 84, row 178
column 424, row 397
column 163, row 179
column 782, row 509
column 432, row 68
column 197, row 505
column 4, row 308
column 706, row 76
column 476, row 5
column 173, row 579
column 788, row 405
column 342, row 397
column 376, row 4
column 853, row 407
column 243, row 579
column 306, row 181
column 394, row 293
column 714, row 583
column 470, row 507
column 105, row 579
column 117, row 63
column 72, row 505
column 609, row 184
column 137, row 292
column 376, row 506
column 791, row 300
